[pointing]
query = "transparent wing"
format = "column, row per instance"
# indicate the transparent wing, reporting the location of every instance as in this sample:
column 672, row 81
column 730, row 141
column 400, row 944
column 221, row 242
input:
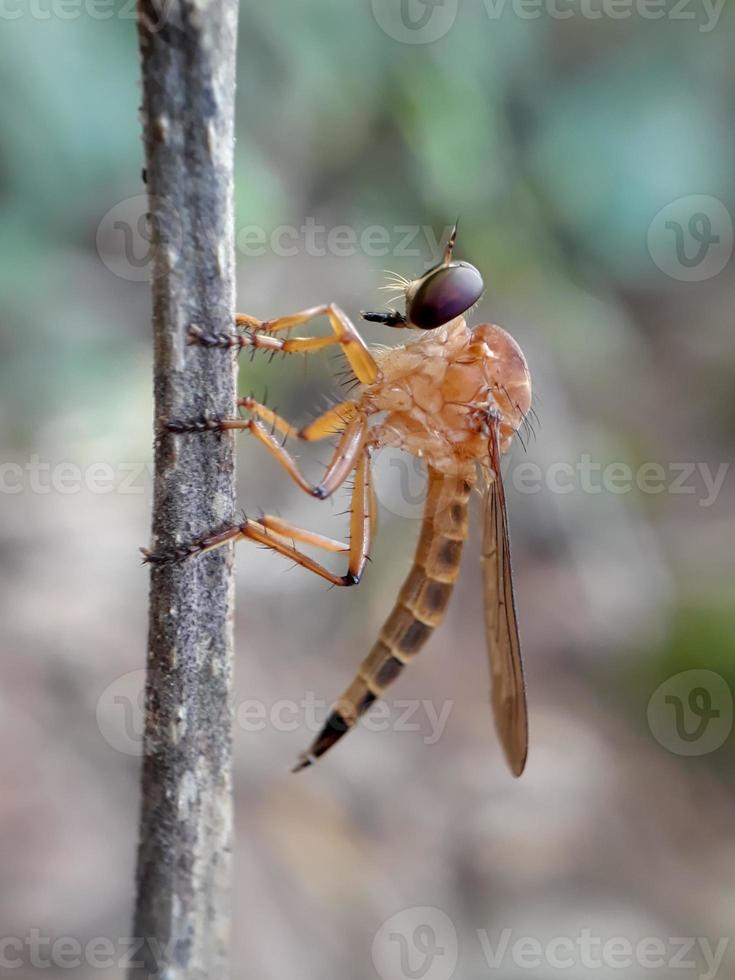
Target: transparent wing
column 504, row 648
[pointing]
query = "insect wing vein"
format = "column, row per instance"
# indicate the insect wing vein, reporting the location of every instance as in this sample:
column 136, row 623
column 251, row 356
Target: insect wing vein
column 503, row 643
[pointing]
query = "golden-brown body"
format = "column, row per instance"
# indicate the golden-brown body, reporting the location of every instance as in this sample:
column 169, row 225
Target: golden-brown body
column 437, row 393
column 454, row 398
column 436, row 389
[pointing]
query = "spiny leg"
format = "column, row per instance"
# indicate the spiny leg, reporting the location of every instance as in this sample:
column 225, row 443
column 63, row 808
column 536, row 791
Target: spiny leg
column 259, row 336
column 329, row 423
column 281, row 536
column 362, row 522
column 344, row 458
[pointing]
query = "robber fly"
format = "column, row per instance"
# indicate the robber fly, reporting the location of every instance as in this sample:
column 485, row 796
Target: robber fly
column 455, row 398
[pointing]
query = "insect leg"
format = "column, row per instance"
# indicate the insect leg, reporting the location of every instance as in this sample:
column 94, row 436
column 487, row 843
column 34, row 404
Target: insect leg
column 346, row 453
column 259, row 335
column 329, row 423
column 333, row 420
column 267, row 415
column 281, row 536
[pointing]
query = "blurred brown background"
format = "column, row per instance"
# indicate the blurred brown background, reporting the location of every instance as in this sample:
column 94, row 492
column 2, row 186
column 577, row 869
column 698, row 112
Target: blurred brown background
column 587, row 146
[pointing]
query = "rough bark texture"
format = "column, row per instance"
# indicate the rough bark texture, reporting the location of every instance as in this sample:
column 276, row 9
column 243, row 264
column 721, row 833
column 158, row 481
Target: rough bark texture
column 182, row 911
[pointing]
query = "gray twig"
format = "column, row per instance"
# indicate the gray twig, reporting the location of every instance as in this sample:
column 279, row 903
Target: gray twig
column 182, row 908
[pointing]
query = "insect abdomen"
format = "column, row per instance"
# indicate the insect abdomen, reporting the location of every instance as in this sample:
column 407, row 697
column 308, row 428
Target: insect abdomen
column 419, row 609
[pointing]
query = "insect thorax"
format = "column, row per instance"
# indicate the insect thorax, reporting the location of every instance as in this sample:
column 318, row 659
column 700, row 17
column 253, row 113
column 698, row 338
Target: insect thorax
column 436, row 393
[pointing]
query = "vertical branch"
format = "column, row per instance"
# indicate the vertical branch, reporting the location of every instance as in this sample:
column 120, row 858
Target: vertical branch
column 182, row 908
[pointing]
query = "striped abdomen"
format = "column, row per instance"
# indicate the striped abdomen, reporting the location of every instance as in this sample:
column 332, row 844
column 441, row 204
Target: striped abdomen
column 419, row 609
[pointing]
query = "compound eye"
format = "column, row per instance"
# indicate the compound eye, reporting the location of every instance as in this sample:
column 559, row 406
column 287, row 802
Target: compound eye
column 445, row 293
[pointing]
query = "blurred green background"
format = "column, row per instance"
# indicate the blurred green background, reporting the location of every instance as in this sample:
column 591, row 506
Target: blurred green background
column 588, row 149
